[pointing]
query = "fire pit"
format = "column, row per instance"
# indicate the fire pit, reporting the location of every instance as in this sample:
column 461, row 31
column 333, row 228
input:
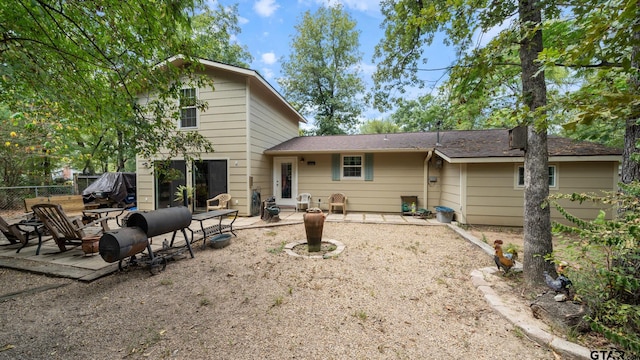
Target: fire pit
column 337, row 245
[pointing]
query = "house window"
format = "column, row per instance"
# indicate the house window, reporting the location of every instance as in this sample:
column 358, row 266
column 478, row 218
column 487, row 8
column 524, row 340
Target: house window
column 352, row 166
column 188, row 109
column 552, row 176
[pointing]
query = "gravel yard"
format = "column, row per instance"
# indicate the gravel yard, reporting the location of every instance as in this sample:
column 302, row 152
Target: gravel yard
column 395, row 292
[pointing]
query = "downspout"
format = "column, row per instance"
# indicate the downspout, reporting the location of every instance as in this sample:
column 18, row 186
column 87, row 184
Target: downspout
column 425, row 183
column 248, row 154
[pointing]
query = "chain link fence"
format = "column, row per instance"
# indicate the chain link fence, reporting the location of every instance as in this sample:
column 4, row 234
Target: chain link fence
column 12, row 198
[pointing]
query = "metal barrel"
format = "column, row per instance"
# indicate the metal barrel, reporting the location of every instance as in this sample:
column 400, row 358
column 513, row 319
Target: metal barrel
column 161, row 221
column 117, row 244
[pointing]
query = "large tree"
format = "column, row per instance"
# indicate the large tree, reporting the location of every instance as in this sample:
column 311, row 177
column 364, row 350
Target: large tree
column 213, row 33
column 88, row 61
column 412, row 25
column 376, row 126
column 602, row 44
column 321, row 76
column 425, row 113
column 537, row 218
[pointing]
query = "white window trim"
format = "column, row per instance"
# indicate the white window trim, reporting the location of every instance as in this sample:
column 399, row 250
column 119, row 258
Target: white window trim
column 554, row 185
column 187, row 107
column 342, row 177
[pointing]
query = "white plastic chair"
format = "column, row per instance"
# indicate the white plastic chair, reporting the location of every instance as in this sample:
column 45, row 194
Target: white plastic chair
column 303, row 199
column 219, row 202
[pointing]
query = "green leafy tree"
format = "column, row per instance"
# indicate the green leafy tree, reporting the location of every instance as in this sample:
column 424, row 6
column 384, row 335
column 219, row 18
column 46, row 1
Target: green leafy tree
column 321, row 74
column 30, row 146
column 605, row 262
column 602, row 44
column 412, row 25
column 379, row 127
column 590, row 112
column 87, row 62
column 484, row 89
column 213, row 32
column 18, row 154
column 486, row 93
column 426, row 113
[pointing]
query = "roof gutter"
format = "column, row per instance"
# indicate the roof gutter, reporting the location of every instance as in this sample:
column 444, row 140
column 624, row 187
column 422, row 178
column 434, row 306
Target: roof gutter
column 520, row 159
column 333, row 151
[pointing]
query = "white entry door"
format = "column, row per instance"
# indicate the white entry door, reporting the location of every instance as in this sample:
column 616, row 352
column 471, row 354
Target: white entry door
column 285, row 180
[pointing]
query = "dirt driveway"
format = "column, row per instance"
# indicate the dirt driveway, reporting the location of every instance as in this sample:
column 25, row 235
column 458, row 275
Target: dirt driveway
column 396, row 292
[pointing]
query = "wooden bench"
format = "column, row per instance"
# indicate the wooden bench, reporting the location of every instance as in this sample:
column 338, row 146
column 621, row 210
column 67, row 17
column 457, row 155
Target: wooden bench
column 71, row 204
column 29, row 202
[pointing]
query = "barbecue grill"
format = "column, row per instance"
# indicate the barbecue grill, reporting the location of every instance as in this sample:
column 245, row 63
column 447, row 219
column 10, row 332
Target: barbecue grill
column 124, row 244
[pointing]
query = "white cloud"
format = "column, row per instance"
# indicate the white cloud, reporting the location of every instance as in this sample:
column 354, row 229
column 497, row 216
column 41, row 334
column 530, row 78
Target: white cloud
column 359, row 5
column 269, row 58
column 367, row 69
column 267, row 73
column 265, row 8
column 242, row 20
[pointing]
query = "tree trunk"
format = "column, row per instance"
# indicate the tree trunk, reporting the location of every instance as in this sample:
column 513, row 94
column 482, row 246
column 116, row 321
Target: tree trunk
column 537, row 219
column 631, row 167
column 120, row 155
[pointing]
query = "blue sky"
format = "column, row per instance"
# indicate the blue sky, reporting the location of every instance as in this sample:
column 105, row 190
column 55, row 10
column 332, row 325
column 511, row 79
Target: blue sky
column 268, row 28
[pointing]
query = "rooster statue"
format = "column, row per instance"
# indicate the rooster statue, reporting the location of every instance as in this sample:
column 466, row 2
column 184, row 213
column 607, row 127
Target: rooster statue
column 561, row 284
column 504, row 261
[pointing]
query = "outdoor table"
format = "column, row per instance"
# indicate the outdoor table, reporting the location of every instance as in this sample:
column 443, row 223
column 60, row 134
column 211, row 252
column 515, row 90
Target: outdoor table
column 214, row 229
column 105, row 211
column 37, row 226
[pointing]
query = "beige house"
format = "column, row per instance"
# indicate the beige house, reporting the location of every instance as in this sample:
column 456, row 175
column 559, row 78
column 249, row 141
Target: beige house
column 245, row 117
column 472, row 172
column 258, row 151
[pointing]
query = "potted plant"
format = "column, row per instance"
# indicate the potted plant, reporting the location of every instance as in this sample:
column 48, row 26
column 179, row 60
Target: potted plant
column 180, row 190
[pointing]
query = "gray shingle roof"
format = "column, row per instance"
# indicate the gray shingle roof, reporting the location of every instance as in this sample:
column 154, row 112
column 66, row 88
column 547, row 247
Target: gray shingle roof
column 453, row 144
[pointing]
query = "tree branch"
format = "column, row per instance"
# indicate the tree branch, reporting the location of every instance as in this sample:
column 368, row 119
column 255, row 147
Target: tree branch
column 602, row 64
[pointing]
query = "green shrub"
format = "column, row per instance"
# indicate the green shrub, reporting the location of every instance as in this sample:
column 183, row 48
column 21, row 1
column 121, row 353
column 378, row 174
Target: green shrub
column 605, row 262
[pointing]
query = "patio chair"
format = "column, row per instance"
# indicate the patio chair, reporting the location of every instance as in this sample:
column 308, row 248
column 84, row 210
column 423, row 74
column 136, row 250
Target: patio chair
column 303, row 199
column 22, row 231
column 12, row 232
column 65, row 230
column 338, row 200
column 219, row 202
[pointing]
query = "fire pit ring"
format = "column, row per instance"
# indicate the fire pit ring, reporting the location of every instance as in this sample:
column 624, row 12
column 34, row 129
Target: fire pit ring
column 339, row 249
